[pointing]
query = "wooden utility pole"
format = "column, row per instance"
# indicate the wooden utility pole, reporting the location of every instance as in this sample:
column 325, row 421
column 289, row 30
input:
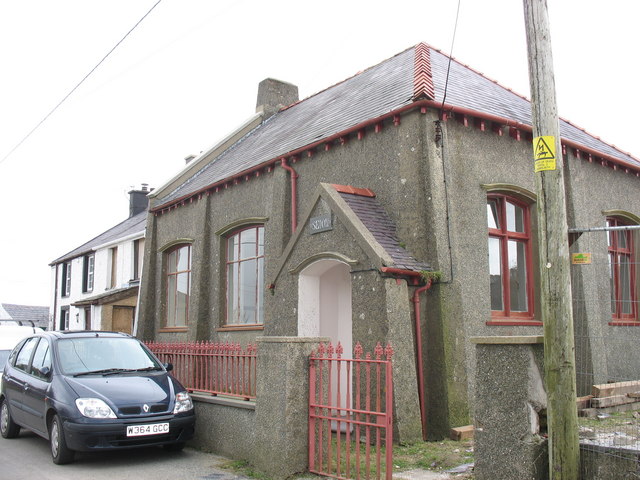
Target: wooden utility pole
column 557, row 311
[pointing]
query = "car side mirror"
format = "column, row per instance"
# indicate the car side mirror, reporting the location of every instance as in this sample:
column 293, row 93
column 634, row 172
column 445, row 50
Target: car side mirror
column 168, row 366
column 45, row 372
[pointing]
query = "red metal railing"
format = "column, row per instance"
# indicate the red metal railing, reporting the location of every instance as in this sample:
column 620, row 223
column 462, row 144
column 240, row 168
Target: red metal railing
column 216, row 368
column 350, row 413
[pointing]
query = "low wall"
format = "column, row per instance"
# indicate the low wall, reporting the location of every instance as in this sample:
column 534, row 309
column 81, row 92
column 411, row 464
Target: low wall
column 510, row 395
column 271, row 432
column 510, row 400
column 224, row 426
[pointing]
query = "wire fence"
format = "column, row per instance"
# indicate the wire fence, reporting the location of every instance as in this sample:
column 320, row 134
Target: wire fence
column 604, row 276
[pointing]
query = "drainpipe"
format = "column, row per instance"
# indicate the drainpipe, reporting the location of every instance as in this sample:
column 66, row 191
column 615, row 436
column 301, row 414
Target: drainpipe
column 416, row 303
column 294, row 194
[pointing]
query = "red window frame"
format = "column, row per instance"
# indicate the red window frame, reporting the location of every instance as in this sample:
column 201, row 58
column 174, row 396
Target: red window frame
column 172, row 271
column 237, row 261
column 507, row 316
column 617, row 250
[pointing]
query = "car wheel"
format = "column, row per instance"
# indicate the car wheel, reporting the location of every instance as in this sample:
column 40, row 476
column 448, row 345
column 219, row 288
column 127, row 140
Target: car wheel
column 8, row 428
column 174, row 447
column 59, row 451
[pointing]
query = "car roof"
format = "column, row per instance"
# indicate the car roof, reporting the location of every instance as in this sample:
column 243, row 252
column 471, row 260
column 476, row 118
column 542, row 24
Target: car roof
column 85, row 334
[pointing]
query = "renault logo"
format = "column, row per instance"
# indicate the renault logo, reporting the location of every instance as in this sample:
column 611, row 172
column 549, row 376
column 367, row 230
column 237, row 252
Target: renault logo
column 145, row 407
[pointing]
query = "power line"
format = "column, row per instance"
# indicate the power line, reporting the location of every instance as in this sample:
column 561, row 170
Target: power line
column 24, row 139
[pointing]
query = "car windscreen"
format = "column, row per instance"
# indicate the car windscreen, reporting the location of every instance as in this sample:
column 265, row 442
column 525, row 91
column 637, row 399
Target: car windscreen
column 88, row 355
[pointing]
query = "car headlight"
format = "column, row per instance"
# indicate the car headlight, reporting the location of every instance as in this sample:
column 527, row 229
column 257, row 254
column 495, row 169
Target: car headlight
column 183, row 403
column 94, row 408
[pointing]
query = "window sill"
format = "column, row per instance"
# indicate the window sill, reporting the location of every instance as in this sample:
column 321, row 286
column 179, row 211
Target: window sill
column 624, row 323
column 515, row 323
column 237, row 328
column 173, row 329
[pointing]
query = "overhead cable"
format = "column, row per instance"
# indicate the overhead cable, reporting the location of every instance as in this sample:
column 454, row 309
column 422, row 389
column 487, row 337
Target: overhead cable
column 44, row 119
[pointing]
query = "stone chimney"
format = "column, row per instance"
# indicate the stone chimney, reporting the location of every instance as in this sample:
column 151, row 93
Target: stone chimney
column 138, row 200
column 274, row 95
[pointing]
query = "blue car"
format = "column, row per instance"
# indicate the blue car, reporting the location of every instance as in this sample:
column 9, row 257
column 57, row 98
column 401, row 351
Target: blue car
column 91, row 391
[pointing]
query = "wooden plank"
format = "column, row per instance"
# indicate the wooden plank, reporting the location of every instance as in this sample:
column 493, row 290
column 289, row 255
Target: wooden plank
column 612, row 401
column 462, row 433
column 584, row 402
column 617, row 388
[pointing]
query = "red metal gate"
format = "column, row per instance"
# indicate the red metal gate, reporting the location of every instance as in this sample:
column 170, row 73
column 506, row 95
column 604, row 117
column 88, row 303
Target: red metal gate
column 350, row 413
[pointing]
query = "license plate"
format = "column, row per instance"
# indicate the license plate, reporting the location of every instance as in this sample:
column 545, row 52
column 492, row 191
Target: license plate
column 150, row 429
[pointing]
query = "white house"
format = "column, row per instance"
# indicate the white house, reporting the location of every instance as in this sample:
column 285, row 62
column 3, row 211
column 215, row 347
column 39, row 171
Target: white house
column 95, row 286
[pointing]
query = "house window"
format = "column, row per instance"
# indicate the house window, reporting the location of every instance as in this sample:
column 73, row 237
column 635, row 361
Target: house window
column 64, row 318
column 510, row 265
column 245, row 276
column 113, row 267
column 178, row 286
column 87, row 272
column 621, row 271
column 138, row 253
column 66, row 279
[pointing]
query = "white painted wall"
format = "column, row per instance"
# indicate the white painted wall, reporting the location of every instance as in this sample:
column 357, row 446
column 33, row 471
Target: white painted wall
column 101, row 281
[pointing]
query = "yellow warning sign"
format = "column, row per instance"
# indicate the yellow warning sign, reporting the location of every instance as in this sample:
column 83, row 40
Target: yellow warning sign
column 581, row 258
column 544, row 153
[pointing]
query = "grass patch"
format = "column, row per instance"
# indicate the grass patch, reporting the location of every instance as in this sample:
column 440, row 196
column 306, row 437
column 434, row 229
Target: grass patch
column 244, row 468
column 435, row 456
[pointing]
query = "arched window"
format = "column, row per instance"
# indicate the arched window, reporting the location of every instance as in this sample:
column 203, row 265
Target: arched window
column 622, row 271
column 245, row 276
column 510, row 262
column 178, row 268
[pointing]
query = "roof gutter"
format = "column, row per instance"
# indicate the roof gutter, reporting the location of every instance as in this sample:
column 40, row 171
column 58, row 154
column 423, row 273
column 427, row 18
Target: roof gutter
column 423, row 105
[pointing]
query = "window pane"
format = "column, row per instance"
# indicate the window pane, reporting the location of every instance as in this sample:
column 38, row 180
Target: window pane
column 22, row 362
column 232, row 248
column 622, row 239
column 260, row 315
column 182, row 298
column 248, row 299
column 248, row 243
column 92, row 261
column 612, row 284
column 260, row 241
column 515, row 218
column 493, row 218
column 232, row 293
column 518, row 276
column 625, row 285
column 171, row 261
column 171, row 301
column 182, row 263
column 41, row 359
column 495, row 272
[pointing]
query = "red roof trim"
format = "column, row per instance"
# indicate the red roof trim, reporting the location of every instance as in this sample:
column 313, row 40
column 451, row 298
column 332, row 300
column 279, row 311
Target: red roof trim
column 362, row 192
column 422, row 79
column 501, row 121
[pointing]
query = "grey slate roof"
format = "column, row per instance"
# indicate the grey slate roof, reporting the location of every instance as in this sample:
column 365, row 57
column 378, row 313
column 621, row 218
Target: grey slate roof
column 368, row 95
column 374, row 217
column 130, row 226
column 25, row 314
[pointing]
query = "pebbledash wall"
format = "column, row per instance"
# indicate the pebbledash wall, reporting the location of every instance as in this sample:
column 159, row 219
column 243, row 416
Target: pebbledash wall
column 431, row 175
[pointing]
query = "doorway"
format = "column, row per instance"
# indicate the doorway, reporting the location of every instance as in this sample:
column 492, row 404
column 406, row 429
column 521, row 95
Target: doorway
column 324, row 310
